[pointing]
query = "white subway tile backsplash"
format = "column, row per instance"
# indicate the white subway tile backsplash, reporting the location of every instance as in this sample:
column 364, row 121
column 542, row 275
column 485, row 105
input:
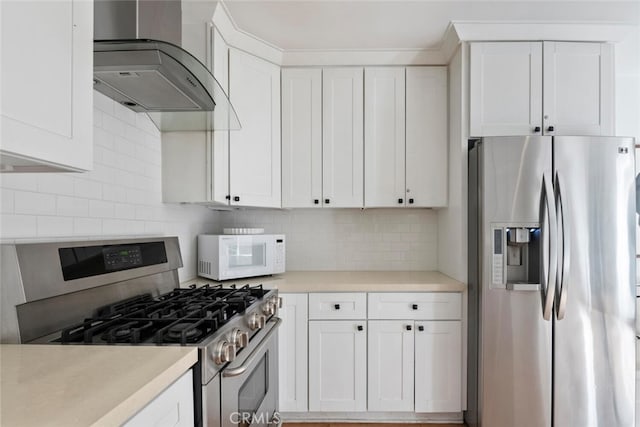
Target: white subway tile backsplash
column 18, row 226
column 19, row 181
column 56, row 183
column 125, row 211
column 54, row 226
column 132, row 133
column 126, row 115
column 87, row 189
column 113, row 124
column 87, row 226
column 34, row 203
column 103, row 138
column 101, row 209
column 72, row 206
column 114, row 193
column 6, row 201
column 124, row 146
column 103, row 103
column 97, row 117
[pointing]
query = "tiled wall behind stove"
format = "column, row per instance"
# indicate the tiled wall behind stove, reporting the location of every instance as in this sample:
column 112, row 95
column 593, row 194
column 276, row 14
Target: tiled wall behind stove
column 122, row 196
column 349, row 239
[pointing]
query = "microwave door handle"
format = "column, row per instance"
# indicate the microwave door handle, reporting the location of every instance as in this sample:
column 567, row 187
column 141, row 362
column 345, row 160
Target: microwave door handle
column 234, row 372
column 548, row 225
column 562, row 281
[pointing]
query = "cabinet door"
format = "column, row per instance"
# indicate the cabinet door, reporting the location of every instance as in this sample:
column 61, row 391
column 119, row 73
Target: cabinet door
column 384, row 137
column 47, row 90
column 292, row 351
column 172, row 407
column 578, row 88
column 337, row 365
column 301, row 138
column 391, row 365
column 342, row 137
column 254, row 90
column 505, row 88
column 426, row 150
column 439, row 371
column 220, row 139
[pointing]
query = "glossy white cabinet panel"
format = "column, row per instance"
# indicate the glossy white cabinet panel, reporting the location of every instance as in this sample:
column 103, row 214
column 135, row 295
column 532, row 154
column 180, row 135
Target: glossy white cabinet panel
column 438, row 375
column 578, row 88
column 342, row 137
column 337, row 366
column 292, row 353
column 47, row 89
column 505, row 88
column 301, row 137
column 384, row 136
column 338, row 305
column 415, row 305
column 391, row 365
column 220, row 139
column 254, row 166
column 426, row 137
column 172, row 407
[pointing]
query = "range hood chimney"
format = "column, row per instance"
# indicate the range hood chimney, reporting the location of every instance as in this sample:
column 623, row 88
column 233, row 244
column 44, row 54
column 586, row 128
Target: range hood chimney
column 139, row 62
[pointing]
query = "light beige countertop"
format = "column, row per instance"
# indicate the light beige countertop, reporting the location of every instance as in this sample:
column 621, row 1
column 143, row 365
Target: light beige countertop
column 75, row 385
column 351, row 281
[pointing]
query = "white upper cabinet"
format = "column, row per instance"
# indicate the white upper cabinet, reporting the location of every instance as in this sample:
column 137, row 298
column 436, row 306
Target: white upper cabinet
column 578, row 88
column 254, row 160
column 506, row 88
column 47, row 89
column 384, row 136
column 220, row 139
column 301, row 138
column 426, row 140
column 510, row 80
column 342, row 137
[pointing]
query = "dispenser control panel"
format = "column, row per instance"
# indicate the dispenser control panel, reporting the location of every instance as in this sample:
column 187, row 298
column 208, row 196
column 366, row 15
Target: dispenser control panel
column 497, row 268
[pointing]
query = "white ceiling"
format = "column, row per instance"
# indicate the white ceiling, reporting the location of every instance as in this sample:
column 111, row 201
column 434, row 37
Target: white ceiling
column 401, row 24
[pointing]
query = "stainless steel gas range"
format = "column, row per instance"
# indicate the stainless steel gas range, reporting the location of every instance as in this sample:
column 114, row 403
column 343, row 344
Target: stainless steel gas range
column 126, row 292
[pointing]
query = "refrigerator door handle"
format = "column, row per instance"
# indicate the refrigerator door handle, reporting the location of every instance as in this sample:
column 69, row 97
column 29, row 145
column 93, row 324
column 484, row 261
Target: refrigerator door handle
column 549, row 233
column 561, row 281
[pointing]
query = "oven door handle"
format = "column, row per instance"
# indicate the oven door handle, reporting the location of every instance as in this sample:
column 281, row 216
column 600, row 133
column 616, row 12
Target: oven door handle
column 234, row 372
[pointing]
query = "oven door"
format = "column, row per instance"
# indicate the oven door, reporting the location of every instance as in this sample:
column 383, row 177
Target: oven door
column 249, row 389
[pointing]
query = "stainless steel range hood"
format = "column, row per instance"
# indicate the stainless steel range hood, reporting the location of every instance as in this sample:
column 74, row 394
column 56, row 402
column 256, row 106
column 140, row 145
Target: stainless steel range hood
column 138, row 61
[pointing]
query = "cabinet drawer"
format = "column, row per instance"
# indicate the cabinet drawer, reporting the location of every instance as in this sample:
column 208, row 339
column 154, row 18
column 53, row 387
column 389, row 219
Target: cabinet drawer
column 339, row 305
column 419, row 306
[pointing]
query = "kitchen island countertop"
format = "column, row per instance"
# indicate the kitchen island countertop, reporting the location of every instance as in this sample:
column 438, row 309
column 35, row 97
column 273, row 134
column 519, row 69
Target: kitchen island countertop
column 76, row 385
column 351, row 281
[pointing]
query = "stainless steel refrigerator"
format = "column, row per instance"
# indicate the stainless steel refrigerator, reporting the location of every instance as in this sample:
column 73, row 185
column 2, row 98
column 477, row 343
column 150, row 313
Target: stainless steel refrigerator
column 551, row 282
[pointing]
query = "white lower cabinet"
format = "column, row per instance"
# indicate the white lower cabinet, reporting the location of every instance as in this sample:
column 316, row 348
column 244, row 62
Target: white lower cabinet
column 391, row 365
column 438, row 368
column 173, row 407
column 337, row 365
column 292, row 351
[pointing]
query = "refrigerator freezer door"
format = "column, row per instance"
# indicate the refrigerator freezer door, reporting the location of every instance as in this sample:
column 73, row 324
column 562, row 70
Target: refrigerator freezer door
column 594, row 343
column 514, row 340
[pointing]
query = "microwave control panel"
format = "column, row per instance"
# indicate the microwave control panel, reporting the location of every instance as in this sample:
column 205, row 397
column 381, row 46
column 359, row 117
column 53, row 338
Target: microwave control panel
column 279, row 256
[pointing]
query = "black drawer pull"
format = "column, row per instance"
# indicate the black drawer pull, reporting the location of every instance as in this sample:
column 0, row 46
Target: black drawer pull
column 360, row 328
column 408, row 327
column 400, row 201
column 410, row 201
column 414, row 306
column 316, row 201
column 236, row 198
column 550, row 128
column 326, row 201
column 337, row 306
column 536, row 129
column 421, row 328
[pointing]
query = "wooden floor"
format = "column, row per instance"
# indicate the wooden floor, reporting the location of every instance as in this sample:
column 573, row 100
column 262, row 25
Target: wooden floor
column 367, row 425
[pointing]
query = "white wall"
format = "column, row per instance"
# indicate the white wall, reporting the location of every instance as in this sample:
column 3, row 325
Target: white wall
column 349, row 239
column 120, row 197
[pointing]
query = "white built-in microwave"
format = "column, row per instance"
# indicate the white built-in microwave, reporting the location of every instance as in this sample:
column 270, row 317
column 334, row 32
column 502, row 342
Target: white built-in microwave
column 232, row 256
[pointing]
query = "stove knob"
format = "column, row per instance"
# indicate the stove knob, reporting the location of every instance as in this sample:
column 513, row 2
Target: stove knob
column 269, row 308
column 224, row 352
column 254, row 322
column 239, row 338
column 262, row 320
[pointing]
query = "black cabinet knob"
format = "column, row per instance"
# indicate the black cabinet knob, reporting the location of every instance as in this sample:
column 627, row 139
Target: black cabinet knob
column 316, row 201
column 421, row 328
column 360, row 328
column 228, row 197
column 236, row 198
column 326, row 201
column 400, row 201
column 536, row 129
column 337, row 306
column 414, row 306
column 550, row 128
column 408, row 327
column 410, row 201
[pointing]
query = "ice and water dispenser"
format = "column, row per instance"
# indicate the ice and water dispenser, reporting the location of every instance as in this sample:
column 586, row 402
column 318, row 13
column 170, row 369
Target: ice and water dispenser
column 516, row 257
